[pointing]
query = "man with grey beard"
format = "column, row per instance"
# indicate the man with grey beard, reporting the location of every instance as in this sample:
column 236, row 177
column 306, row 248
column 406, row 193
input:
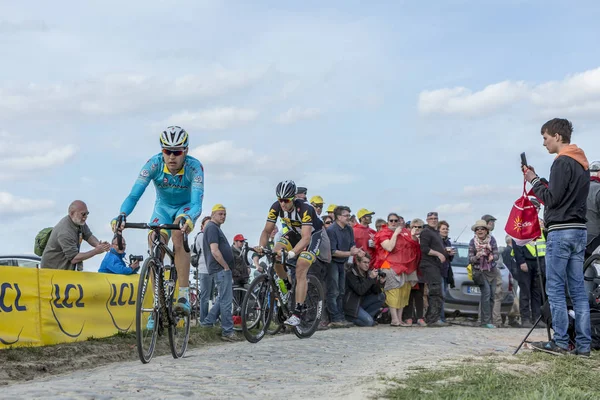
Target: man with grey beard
column 62, row 250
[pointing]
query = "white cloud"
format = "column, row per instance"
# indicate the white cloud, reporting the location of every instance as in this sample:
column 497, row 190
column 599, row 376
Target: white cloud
column 18, row 158
column 489, row 190
column 120, row 93
column 213, row 119
column 460, row 100
column 226, row 152
column 10, row 204
column 577, row 94
column 454, row 209
column 296, row 114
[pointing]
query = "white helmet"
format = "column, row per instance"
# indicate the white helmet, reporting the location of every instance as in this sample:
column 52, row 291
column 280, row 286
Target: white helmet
column 174, row 136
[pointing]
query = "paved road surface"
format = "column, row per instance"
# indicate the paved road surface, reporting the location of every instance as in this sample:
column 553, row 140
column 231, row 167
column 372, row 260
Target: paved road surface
column 342, row 363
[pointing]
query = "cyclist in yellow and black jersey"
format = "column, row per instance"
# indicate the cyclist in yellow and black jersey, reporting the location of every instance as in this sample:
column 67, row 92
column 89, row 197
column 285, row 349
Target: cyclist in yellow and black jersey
column 303, row 238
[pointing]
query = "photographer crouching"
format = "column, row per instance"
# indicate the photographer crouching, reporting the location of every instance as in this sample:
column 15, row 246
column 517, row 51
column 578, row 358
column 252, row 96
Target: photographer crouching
column 114, row 262
column 363, row 297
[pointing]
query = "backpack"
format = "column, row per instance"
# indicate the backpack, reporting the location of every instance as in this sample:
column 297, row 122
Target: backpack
column 196, row 252
column 41, row 240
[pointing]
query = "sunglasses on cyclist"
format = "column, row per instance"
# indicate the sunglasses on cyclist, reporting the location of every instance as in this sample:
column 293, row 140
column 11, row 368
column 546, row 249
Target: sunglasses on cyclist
column 285, row 201
column 176, row 153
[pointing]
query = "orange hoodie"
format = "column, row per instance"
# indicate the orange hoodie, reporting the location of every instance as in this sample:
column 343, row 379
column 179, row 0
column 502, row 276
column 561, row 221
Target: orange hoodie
column 571, row 150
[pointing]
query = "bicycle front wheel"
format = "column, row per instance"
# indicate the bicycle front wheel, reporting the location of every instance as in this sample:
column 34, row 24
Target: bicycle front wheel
column 257, row 309
column 147, row 317
column 314, row 308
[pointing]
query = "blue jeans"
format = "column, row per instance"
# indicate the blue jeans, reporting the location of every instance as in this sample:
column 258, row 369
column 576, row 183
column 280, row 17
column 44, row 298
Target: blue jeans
column 223, row 303
column 206, row 288
column 368, row 308
column 444, row 294
column 336, row 284
column 564, row 265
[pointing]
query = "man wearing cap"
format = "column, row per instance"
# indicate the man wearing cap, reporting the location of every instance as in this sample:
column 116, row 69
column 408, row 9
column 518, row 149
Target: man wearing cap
column 219, row 261
column 317, row 203
column 433, row 255
column 330, row 211
column 241, row 269
column 528, row 258
column 496, row 313
column 301, row 193
column 593, row 209
column 364, row 235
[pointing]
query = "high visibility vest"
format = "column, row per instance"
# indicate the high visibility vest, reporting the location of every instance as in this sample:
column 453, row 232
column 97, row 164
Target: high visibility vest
column 541, row 247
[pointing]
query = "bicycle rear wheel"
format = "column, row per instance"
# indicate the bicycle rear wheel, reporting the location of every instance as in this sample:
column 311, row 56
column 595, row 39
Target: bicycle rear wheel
column 179, row 325
column 146, row 312
column 311, row 317
column 257, row 310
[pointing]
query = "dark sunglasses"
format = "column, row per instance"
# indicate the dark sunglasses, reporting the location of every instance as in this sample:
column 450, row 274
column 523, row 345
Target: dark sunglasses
column 176, row 153
column 318, row 205
column 85, row 214
column 328, row 222
column 417, row 227
column 285, row 201
column 432, row 214
column 393, row 220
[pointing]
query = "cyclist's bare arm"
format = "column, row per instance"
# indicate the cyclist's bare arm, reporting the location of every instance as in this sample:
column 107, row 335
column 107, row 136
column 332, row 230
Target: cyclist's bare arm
column 266, row 233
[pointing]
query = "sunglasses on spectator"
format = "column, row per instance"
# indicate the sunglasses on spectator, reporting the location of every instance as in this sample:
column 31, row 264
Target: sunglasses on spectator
column 176, row 153
column 417, row 227
column 432, row 214
column 85, row 213
column 318, row 205
column 393, row 220
column 285, row 201
column 328, row 222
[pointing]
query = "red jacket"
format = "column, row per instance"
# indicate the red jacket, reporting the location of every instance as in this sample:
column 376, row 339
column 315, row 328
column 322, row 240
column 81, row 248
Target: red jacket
column 406, row 255
column 362, row 235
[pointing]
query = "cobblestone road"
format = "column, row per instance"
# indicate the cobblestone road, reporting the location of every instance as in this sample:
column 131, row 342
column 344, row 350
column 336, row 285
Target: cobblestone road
column 332, row 364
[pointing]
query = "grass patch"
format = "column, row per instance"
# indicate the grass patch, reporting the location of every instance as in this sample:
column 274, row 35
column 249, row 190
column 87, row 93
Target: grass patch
column 528, row 376
column 26, row 363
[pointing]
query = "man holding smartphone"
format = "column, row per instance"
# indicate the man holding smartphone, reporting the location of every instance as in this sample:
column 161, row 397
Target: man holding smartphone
column 565, row 217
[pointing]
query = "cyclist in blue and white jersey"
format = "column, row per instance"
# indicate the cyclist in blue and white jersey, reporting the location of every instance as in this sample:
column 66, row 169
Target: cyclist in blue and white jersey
column 179, row 182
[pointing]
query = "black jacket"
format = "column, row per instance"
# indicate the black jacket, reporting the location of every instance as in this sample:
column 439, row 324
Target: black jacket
column 357, row 287
column 565, row 197
column 431, row 266
column 240, row 265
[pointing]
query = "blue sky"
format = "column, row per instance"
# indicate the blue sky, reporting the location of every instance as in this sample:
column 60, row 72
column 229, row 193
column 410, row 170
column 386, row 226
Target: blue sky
column 395, row 106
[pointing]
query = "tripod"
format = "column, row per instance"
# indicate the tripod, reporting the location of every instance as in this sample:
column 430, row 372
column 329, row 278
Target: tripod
column 539, row 272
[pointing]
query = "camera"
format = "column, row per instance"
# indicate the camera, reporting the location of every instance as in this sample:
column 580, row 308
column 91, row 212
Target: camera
column 133, row 258
column 381, row 274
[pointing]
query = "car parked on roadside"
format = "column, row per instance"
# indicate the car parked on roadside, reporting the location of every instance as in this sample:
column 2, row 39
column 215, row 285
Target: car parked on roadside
column 464, row 298
column 21, row 260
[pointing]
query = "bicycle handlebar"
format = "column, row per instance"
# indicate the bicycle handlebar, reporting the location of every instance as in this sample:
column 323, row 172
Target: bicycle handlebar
column 155, row 228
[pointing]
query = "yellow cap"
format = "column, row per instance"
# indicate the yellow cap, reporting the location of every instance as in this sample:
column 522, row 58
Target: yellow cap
column 218, row 207
column 363, row 212
column 316, row 200
column 331, row 208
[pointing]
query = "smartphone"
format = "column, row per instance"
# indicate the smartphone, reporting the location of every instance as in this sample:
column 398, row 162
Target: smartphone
column 524, row 160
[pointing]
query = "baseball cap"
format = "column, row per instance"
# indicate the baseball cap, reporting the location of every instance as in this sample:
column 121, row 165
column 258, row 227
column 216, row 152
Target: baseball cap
column 488, row 218
column 301, row 190
column 218, row 207
column 331, row 208
column 595, row 166
column 239, row 238
column 363, row 212
column 316, row 200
